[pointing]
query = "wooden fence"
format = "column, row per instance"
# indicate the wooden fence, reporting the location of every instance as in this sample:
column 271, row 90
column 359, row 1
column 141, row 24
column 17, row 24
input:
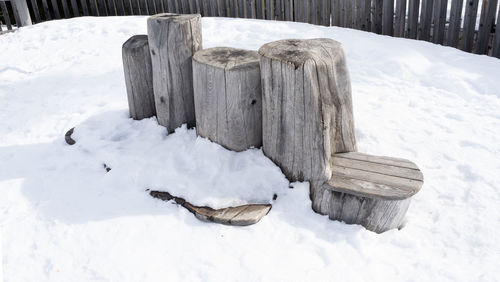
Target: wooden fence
column 426, row 20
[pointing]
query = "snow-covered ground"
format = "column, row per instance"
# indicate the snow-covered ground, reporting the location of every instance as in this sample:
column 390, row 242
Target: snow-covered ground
column 63, row 218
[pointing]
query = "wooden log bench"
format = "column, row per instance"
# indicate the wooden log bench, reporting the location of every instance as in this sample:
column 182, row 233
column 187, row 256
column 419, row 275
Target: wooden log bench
column 308, row 131
column 372, row 191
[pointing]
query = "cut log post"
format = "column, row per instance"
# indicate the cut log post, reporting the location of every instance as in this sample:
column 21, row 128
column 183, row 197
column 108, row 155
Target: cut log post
column 173, row 39
column 138, row 77
column 372, row 191
column 227, row 95
column 307, row 106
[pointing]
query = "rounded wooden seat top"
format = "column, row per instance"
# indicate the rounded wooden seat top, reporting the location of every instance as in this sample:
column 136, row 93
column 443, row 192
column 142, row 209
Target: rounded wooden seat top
column 298, row 51
column 227, row 57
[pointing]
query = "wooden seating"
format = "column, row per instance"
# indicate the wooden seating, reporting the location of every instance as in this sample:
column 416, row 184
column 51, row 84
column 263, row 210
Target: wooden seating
column 373, row 191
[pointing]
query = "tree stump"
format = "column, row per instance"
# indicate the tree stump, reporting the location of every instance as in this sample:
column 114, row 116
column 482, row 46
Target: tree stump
column 307, row 106
column 138, row 77
column 372, row 191
column 227, row 94
column 173, row 39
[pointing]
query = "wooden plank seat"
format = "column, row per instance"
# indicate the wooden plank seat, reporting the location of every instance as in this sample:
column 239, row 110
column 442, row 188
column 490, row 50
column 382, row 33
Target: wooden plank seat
column 373, row 191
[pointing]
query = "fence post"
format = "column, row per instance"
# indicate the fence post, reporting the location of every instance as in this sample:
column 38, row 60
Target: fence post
column 20, row 8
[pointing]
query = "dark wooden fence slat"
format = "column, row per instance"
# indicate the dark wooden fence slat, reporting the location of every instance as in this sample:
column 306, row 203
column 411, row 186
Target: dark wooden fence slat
column 84, row 6
column 335, row 11
column 93, row 8
column 55, row 8
column 277, row 10
column 412, row 27
column 250, row 9
column 439, row 21
column 65, row 9
column 241, row 9
column 312, row 12
column 112, row 10
column 400, row 18
column 455, row 20
column 103, row 11
column 36, row 11
column 216, row 8
column 358, row 14
column 388, row 17
column 259, row 9
column 426, row 20
column 143, row 7
column 367, row 15
column 151, row 7
column 486, row 23
column 127, row 7
column 377, row 16
column 269, row 9
column 119, row 8
column 288, row 10
column 325, row 13
column 6, row 16
column 495, row 52
column 469, row 25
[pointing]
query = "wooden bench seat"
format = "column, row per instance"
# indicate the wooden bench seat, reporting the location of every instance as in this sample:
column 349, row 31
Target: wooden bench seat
column 373, row 191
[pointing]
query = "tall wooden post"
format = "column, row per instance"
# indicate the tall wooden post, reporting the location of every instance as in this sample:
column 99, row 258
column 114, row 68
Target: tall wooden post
column 173, row 40
column 138, row 77
column 307, row 106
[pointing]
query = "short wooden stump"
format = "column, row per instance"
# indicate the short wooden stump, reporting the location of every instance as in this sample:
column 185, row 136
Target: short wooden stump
column 227, row 97
column 372, row 191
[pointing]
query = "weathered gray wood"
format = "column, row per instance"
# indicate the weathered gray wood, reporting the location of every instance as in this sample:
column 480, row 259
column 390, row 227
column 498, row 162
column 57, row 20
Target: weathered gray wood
column 373, row 191
column 366, row 15
column 307, row 106
column 378, row 167
column 439, row 21
column 455, row 20
column 469, row 25
column 486, row 23
column 399, row 26
column 495, row 52
column 239, row 216
column 412, row 28
column 138, row 77
column 21, row 12
column 270, row 9
column 426, row 20
column 377, row 159
column 378, row 215
column 173, row 39
column 289, row 9
column 227, row 95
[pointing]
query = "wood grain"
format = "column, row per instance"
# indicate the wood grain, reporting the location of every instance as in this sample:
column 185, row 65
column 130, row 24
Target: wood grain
column 173, row 39
column 138, row 77
column 239, row 216
column 307, row 106
column 227, row 96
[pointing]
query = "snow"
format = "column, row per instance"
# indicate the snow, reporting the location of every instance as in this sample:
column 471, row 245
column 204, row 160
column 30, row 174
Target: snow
column 63, row 218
